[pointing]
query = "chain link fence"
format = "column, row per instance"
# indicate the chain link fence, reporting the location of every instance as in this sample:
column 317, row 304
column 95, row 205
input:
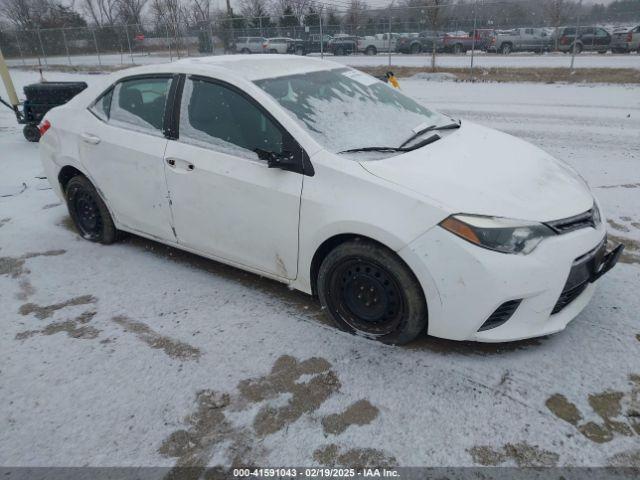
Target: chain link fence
column 461, row 35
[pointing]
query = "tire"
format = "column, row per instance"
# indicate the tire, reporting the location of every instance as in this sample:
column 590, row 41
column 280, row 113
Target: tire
column 391, row 308
column 578, row 48
column 31, row 132
column 299, row 51
column 371, row 51
column 273, row 50
column 602, row 52
column 339, row 51
column 415, row 48
column 53, row 93
column 245, row 51
column 88, row 212
column 506, row 49
column 457, row 49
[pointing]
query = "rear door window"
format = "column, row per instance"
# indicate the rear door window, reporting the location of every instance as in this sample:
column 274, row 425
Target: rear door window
column 139, row 104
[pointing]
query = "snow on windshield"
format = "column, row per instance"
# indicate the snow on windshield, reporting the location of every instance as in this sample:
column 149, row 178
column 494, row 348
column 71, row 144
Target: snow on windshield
column 345, row 109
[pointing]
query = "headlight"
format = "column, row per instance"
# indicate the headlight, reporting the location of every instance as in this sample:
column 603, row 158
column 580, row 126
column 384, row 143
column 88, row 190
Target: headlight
column 597, row 217
column 496, row 233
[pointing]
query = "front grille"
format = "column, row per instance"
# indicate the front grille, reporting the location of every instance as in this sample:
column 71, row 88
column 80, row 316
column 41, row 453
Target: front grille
column 579, row 276
column 501, row 315
column 589, row 218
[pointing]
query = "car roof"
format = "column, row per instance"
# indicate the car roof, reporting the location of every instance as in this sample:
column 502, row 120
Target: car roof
column 248, row 67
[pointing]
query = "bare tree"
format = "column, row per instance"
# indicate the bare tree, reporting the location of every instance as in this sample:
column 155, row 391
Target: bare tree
column 435, row 14
column 298, row 7
column 556, row 12
column 356, row 15
column 130, row 11
column 100, row 12
column 200, row 11
column 25, row 14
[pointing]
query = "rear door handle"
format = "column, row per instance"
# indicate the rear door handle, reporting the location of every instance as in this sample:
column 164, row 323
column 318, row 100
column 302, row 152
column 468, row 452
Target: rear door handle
column 89, row 138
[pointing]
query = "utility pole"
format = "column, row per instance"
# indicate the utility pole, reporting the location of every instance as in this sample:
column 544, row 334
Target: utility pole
column 575, row 40
column 474, row 33
column 321, row 34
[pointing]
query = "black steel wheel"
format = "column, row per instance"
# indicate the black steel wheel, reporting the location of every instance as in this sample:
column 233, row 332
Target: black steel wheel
column 88, row 212
column 31, row 132
column 369, row 291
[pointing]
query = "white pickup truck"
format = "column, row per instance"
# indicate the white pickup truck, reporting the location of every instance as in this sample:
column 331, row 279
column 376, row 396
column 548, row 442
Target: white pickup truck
column 379, row 42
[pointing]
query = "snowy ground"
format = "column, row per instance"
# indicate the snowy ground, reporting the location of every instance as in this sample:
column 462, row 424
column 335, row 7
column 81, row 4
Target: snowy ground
column 481, row 59
column 138, row 354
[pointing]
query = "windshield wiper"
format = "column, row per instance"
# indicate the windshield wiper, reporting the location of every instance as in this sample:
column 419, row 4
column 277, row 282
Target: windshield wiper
column 449, row 126
column 375, row 149
column 421, row 144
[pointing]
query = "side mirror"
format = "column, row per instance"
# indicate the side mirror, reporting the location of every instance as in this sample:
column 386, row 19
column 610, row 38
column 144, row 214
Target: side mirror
column 283, row 161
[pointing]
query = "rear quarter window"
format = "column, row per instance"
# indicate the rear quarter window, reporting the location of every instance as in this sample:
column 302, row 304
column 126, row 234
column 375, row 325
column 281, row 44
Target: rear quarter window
column 101, row 108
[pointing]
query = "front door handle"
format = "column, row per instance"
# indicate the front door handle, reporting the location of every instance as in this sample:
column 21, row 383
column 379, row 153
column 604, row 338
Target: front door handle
column 179, row 163
column 89, row 138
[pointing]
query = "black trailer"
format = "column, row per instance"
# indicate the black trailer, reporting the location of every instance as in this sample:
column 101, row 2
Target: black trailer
column 40, row 98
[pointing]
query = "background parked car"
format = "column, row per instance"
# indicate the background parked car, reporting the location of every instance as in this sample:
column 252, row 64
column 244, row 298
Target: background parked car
column 421, row 42
column 521, row 40
column 626, row 40
column 311, row 44
column 278, row 45
column 380, row 42
column 251, row 45
column 590, row 39
column 343, row 45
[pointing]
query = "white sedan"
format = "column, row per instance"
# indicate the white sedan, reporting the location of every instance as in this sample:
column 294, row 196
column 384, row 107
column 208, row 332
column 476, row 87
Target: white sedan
column 400, row 219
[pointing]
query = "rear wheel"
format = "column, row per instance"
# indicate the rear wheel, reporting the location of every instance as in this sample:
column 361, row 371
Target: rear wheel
column 505, row 49
column 457, row 49
column 416, row 48
column 371, row 51
column 88, row 212
column 339, row 51
column 369, row 291
column 299, row 51
column 245, row 51
column 578, row 48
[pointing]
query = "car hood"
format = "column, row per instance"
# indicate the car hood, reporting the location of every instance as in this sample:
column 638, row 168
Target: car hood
column 478, row 170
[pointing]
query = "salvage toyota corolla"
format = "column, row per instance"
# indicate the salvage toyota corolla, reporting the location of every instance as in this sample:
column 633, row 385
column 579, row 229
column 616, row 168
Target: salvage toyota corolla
column 402, row 220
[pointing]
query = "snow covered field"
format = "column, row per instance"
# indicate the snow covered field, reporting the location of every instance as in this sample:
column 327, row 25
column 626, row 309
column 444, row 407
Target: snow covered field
column 137, row 354
column 517, row 60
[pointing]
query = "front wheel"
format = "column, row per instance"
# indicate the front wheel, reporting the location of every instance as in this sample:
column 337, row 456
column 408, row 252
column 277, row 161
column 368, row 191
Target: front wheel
column 369, row 291
column 88, row 212
column 299, row 51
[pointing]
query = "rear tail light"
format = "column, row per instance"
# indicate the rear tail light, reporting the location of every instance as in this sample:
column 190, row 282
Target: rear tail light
column 629, row 37
column 564, row 40
column 493, row 40
column 43, row 127
column 264, row 45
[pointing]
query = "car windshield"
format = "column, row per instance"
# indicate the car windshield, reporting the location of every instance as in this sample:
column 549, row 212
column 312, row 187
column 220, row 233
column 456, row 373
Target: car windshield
column 346, row 109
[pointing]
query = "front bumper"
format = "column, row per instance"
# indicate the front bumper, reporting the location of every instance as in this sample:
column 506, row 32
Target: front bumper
column 464, row 284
